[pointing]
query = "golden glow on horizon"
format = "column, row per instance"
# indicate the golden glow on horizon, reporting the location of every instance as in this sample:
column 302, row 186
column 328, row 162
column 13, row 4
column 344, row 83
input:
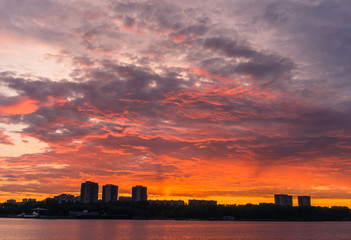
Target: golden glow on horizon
column 220, row 200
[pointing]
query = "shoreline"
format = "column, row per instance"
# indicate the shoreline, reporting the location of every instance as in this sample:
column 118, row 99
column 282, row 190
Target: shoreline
column 167, row 219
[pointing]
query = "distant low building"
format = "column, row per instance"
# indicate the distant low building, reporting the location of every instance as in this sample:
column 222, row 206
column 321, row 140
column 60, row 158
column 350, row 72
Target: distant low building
column 194, row 202
column 265, row 204
column 84, row 213
column 139, row 193
column 109, row 193
column 11, row 201
column 167, row 202
column 65, row 198
column 283, row 200
column 28, row 200
column 125, row 199
column 304, row 201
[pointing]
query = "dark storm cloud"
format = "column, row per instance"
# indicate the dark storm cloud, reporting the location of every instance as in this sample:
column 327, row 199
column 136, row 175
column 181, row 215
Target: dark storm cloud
column 8, row 101
column 26, row 18
column 128, row 21
column 97, row 37
column 316, row 34
column 266, row 66
column 113, row 89
column 38, row 88
column 82, row 61
column 230, row 48
column 110, row 90
column 163, row 17
column 261, row 65
column 188, row 26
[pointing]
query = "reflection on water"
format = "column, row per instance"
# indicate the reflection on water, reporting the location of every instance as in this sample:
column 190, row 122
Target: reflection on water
column 39, row 229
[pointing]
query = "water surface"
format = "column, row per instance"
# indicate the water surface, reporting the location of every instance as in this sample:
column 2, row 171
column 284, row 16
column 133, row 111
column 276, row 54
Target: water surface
column 45, row 229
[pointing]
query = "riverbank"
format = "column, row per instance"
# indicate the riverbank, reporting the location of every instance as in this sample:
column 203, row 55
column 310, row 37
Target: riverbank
column 145, row 210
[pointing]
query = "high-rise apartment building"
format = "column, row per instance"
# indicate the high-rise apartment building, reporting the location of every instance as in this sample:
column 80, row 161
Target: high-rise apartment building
column 283, row 200
column 109, row 193
column 89, row 192
column 139, row 193
column 304, row 201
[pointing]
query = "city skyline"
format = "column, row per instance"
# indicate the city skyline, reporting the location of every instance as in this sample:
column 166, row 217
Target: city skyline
column 229, row 100
column 90, row 193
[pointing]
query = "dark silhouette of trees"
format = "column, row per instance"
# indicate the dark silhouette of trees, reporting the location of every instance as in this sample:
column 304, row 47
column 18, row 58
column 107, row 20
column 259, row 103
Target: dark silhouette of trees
column 145, row 210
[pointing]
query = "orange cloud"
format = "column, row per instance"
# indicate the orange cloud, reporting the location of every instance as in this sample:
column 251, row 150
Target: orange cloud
column 4, row 139
column 25, row 105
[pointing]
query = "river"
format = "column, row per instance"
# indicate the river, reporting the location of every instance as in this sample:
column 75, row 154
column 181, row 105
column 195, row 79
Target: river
column 46, row 229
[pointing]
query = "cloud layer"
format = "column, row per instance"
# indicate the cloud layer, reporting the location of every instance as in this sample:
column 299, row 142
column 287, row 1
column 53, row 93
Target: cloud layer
column 233, row 99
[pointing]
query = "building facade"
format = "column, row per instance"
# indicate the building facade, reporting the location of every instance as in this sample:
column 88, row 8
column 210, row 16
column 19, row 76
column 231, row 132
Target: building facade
column 125, row 199
column 89, row 192
column 139, row 193
column 167, row 202
column 28, row 200
column 304, row 201
column 65, row 198
column 109, row 193
column 283, row 200
column 194, row 202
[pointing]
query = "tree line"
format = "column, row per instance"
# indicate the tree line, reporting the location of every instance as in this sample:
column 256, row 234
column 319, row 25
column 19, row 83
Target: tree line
column 145, row 210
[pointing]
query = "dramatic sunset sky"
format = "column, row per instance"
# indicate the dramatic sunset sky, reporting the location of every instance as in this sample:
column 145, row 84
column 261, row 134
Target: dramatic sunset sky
column 229, row 100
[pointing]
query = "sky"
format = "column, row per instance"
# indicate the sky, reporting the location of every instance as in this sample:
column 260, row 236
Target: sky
column 228, row 100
